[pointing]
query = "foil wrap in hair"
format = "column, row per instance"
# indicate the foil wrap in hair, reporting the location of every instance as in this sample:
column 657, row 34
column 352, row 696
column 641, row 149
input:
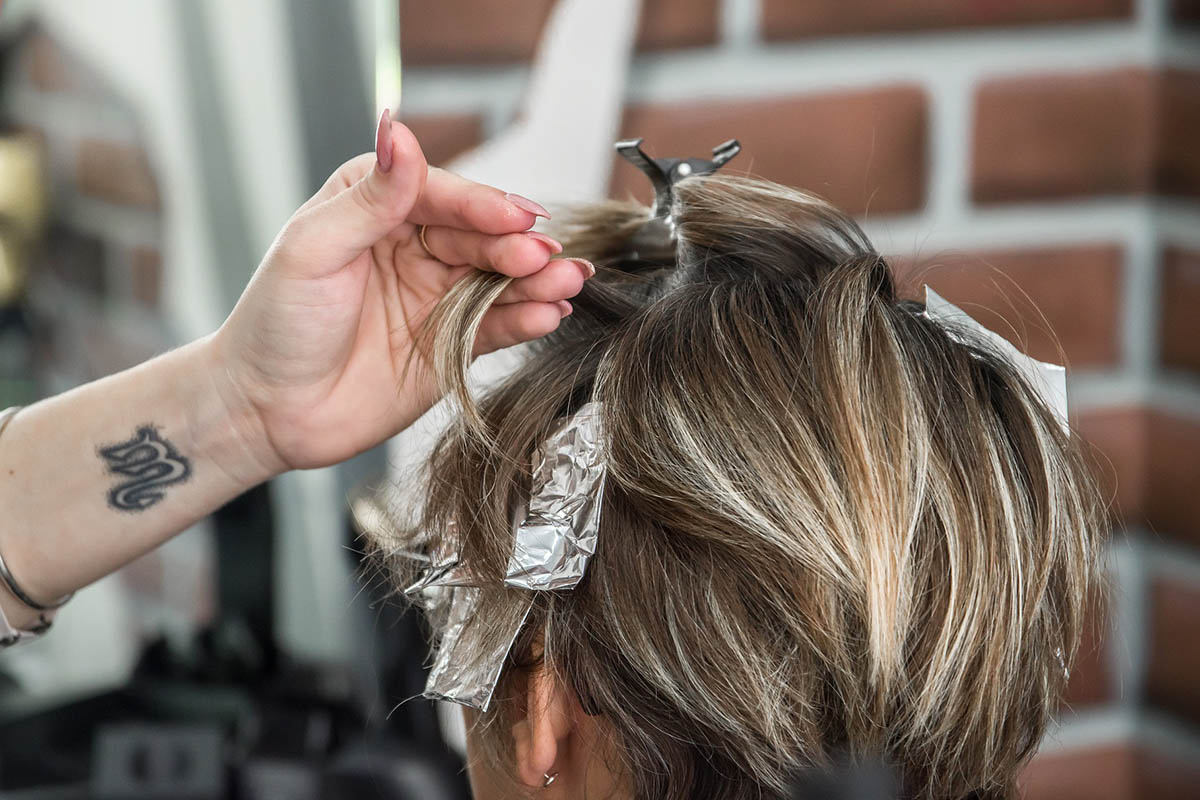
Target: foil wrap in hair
column 474, row 648
column 555, row 534
column 444, row 566
column 1048, row 380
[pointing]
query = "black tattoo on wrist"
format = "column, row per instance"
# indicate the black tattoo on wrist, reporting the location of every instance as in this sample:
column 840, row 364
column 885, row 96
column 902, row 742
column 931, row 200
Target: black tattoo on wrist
column 149, row 464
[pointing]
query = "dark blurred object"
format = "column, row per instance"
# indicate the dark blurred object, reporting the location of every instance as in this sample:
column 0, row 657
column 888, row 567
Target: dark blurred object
column 385, row 769
column 231, row 718
column 847, row 780
column 158, row 762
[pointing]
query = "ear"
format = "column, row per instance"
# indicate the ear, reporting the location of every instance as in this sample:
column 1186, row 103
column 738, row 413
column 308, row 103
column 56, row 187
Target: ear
column 542, row 736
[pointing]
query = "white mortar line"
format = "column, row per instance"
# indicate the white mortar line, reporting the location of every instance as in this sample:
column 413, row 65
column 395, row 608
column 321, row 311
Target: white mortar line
column 835, row 64
column 1096, row 727
column 1153, row 21
column 1139, row 297
column 1169, row 558
column 1127, row 634
column 1101, row 390
column 126, row 225
column 1089, row 727
column 432, row 90
column 822, row 65
column 1178, row 393
column 1178, row 221
column 951, row 225
column 74, row 116
column 738, row 25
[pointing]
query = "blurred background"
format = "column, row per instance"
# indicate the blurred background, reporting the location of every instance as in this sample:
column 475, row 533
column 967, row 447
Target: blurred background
column 1036, row 162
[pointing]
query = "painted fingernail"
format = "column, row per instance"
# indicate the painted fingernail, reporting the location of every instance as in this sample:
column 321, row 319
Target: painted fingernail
column 383, row 142
column 565, row 307
column 555, row 247
column 525, row 204
column 585, row 266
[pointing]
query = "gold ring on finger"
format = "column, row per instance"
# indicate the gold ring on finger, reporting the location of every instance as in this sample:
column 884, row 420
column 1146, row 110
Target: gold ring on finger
column 424, row 244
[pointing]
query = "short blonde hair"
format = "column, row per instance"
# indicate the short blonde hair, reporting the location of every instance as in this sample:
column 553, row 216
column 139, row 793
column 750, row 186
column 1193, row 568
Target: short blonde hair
column 829, row 525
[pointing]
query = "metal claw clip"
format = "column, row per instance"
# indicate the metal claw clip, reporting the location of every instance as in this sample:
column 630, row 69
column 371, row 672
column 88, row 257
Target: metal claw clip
column 655, row 241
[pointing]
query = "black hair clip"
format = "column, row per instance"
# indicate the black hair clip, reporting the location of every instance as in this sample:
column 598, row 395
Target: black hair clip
column 655, row 241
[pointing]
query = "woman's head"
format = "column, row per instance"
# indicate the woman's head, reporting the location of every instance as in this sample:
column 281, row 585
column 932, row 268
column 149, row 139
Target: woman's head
column 829, row 525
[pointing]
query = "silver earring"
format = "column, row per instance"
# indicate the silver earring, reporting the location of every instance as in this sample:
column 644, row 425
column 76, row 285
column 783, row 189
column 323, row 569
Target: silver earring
column 549, row 779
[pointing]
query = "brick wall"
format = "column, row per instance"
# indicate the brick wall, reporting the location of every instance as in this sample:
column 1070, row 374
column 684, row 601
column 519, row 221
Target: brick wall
column 93, row 298
column 1037, row 161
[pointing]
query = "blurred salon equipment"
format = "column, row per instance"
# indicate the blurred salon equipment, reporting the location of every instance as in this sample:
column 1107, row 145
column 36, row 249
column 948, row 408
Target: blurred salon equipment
column 233, row 717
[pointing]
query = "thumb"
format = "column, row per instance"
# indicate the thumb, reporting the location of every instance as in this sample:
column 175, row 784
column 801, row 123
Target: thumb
column 334, row 232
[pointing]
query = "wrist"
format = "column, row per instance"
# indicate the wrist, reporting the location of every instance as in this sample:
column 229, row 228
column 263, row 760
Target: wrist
column 228, row 427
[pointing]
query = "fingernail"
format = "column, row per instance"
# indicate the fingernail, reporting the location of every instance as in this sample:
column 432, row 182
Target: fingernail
column 525, row 204
column 383, row 142
column 555, row 247
column 587, row 267
column 565, row 307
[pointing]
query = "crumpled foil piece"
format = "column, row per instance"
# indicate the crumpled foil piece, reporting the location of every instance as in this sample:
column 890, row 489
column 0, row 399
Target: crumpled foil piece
column 557, row 530
column 471, row 657
column 1048, row 380
column 445, row 568
column 554, row 535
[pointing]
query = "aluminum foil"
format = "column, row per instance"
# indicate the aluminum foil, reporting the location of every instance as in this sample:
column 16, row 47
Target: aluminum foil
column 471, row 657
column 555, row 534
column 1049, row 380
column 445, row 567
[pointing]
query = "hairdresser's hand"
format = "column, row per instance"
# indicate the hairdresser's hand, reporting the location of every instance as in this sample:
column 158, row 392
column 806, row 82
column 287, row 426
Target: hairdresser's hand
column 313, row 356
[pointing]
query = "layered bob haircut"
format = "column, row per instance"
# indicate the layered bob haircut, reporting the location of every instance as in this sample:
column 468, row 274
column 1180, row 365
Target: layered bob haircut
column 829, row 525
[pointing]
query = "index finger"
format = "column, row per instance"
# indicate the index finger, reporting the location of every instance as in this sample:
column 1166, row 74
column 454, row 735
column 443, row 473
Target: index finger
column 453, row 201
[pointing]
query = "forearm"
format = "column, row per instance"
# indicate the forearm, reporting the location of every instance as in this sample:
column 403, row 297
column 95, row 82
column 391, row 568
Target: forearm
column 95, row 477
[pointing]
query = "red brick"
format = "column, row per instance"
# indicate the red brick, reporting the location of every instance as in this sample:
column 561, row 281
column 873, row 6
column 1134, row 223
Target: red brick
column 449, row 31
column 1179, row 308
column 1090, row 678
column 669, row 24
column 1051, row 136
column 1038, row 298
column 787, row 19
column 443, row 136
column 1160, row 777
column 1117, row 771
column 1173, row 672
column 1149, row 461
column 865, row 150
column 1177, row 168
column 1172, row 504
column 1101, row 773
column 1117, row 453
column 117, row 172
column 1118, row 132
